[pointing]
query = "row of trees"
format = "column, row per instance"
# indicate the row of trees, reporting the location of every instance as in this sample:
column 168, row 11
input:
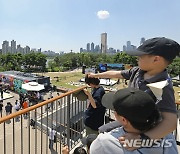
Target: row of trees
column 74, row 60
column 34, row 62
column 18, row 62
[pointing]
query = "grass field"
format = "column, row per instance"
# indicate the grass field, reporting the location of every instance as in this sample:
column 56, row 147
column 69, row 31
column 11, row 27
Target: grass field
column 65, row 78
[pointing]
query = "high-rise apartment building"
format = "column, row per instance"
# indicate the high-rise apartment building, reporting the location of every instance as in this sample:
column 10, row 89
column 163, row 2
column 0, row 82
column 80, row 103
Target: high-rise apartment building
column 142, row 40
column 92, row 47
column 104, row 43
column 128, row 48
column 88, row 47
column 124, row 48
column 26, row 50
column 20, row 49
column 13, row 47
column 5, row 47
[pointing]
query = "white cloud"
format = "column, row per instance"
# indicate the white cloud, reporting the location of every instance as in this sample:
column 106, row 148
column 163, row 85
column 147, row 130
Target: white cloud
column 103, row 14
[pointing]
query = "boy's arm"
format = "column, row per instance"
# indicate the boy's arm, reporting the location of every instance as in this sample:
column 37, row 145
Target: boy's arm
column 91, row 99
column 166, row 126
column 107, row 74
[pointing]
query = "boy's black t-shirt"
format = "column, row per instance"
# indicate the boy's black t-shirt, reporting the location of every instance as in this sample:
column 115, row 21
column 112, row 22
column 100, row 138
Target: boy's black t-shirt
column 94, row 117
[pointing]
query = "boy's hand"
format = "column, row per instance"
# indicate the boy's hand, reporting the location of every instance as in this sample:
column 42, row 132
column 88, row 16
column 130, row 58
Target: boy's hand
column 86, row 92
column 65, row 150
column 91, row 75
column 129, row 136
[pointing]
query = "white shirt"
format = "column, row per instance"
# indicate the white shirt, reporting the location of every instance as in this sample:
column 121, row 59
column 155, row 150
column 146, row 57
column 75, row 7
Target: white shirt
column 52, row 133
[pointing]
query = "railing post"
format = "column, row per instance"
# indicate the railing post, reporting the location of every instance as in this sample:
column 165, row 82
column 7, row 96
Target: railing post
column 68, row 120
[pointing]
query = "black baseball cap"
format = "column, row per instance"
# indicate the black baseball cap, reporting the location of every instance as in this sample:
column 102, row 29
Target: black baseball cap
column 135, row 105
column 161, row 46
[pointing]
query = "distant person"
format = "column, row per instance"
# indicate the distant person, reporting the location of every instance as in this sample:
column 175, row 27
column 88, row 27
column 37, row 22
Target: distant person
column 17, row 106
column 94, row 114
column 32, row 123
column 59, row 100
column 38, row 95
column 8, row 108
column 1, row 90
column 51, row 135
column 1, row 107
column 25, row 105
column 154, row 56
column 137, row 113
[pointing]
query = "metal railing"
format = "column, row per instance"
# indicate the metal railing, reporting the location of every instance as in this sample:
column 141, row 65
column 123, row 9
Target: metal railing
column 27, row 131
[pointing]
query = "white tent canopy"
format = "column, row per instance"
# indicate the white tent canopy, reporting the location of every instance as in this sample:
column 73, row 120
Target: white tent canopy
column 32, row 86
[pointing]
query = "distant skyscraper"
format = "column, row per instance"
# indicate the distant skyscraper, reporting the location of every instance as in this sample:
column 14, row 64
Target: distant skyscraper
column 124, row 48
column 142, row 40
column 20, row 49
column 97, row 48
column 104, row 43
column 13, row 47
column 88, row 47
column 92, row 47
column 26, row 50
column 128, row 46
column 81, row 50
column 5, row 47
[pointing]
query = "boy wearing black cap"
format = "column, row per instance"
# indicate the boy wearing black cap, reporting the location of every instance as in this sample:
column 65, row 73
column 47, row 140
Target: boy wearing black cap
column 138, row 113
column 154, row 55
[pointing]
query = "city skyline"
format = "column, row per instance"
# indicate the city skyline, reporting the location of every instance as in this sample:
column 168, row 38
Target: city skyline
column 67, row 25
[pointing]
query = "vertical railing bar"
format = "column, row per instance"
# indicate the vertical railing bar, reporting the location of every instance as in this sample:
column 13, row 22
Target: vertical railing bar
column 68, row 121
column 72, row 114
column 41, row 129
column 60, row 120
column 13, row 137
column 56, row 109
column 47, row 147
column 29, row 134
column 36, row 132
column 65, row 118
column 21, row 134
column 4, row 138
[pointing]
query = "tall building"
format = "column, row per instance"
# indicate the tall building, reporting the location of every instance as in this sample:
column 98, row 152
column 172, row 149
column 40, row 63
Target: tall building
column 88, row 47
column 20, row 49
column 81, row 50
column 97, row 48
column 5, row 47
column 124, row 48
column 26, row 50
column 104, row 43
column 13, row 47
column 142, row 40
column 92, row 47
column 128, row 48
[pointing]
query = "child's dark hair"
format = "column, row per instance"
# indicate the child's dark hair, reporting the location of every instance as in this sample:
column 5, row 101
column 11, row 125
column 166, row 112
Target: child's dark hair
column 153, row 121
column 94, row 81
column 79, row 150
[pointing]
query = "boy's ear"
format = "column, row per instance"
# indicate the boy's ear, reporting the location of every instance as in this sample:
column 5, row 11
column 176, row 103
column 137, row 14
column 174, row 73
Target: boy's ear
column 157, row 58
column 124, row 120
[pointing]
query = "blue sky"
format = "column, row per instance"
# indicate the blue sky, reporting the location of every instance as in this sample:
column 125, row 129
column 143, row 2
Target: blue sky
column 64, row 25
